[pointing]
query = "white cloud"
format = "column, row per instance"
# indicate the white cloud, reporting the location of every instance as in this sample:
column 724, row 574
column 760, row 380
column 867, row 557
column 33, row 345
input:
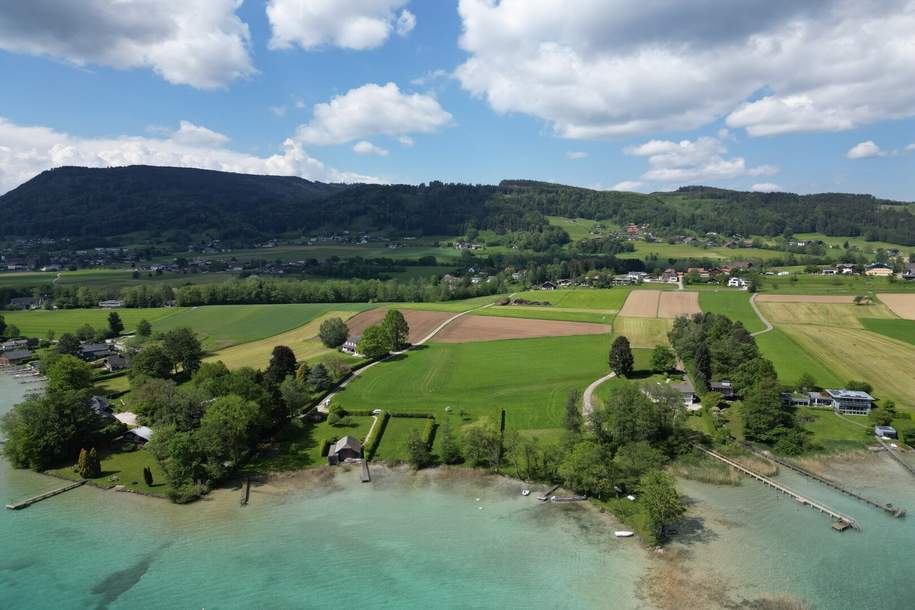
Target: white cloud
column 373, row 110
column 595, row 69
column 428, row 77
column 701, row 159
column 766, row 187
column 910, row 147
column 300, row 104
column 864, row 150
column 364, row 147
column 201, row 43
column 279, row 111
column 26, row 151
column 350, row 24
column 627, row 185
column 577, row 154
column 406, row 141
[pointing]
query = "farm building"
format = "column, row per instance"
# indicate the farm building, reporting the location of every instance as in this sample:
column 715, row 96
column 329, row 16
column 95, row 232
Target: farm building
column 8, row 346
column 548, row 286
column 878, row 269
column 347, row 448
column 885, row 432
column 737, row 282
column 94, row 351
column 101, row 407
column 851, row 402
column 350, row 345
column 23, row 303
column 15, row 357
column 909, row 272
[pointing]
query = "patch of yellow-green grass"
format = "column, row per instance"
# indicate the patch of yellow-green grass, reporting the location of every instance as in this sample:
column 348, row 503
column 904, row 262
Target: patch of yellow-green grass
column 549, row 313
column 124, row 468
column 843, row 315
column 853, row 353
column 578, row 228
column 393, row 447
column 59, row 321
column 301, row 340
column 643, row 332
column 606, row 299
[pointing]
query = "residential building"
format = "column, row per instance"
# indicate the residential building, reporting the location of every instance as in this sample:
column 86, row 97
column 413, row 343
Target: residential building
column 688, row 392
column 94, row 351
column 724, row 388
column 139, row 435
column 851, row 402
column 351, row 343
column 101, row 407
column 17, row 356
column 116, row 363
column 909, row 272
column 548, row 286
column 878, row 270
column 347, row 448
column 23, row 303
column 737, row 282
column 12, row 344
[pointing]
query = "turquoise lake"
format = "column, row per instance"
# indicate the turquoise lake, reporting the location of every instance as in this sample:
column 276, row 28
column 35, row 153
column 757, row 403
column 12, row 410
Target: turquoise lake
column 420, row 541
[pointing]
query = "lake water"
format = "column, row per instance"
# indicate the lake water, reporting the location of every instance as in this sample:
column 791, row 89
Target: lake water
column 409, row 541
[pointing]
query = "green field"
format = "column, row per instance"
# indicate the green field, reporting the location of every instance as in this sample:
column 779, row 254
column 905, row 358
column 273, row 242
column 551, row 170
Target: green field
column 857, row 242
column 412, row 250
column 547, row 313
column 453, row 306
column 299, row 444
column 791, row 360
column 529, row 378
column 37, row 323
column 902, row 330
column 643, row 332
column 127, row 467
column 834, row 432
column 108, row 278
column 220, row 326
column 393, row 447
column 607, row 299
column 579, row 228
column 734, row 304
column 666, row 251
column 831, row 284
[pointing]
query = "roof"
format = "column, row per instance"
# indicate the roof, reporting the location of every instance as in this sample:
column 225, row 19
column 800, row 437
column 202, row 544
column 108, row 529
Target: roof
column 143, row 432
column 854, row 394
column 17, row 354
column 354, row 339
column 683, row 386
column 885, row 429
column 347, row 442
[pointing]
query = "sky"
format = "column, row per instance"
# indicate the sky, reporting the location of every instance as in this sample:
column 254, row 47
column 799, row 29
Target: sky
column 645, row 95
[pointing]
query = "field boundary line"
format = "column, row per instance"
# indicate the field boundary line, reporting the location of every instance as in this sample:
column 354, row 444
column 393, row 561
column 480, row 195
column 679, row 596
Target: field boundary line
column 762, row 318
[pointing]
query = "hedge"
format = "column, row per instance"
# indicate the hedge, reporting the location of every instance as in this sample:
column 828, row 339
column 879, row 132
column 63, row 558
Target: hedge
column 326, row 444
column 371, row 444
column 429, row 432
column 413, row 415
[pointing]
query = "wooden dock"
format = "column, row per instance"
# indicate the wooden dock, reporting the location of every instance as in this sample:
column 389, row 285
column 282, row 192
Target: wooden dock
column 246, row 491
column 898, row 459
column 839, row 517
column 366, row 475
column 893, row 511
column 546, row 496
column 49, row 494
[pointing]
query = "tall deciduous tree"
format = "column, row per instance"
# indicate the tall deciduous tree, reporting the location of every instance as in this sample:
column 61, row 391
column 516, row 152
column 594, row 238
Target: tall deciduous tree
column 69, row 373
column 151, row 361
column 621, row 360
column 573, row 418
column 333, row 332
column 396, row 328
column 319, row 378
column 68, row 344
column 282, row 364
column 144, row 328
column 662, row 359
column 183, row 347
column 229, row 427
column 661, row 501
column 115, row 325
column 417, row 451
column 451, row 446
column 374, row 342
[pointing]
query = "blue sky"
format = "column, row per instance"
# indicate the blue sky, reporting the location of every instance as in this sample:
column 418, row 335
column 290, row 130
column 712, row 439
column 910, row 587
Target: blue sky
column 599, row 93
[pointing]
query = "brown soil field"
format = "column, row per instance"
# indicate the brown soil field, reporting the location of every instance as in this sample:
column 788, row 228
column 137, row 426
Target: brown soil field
column 421, row 322
column 485, row 328
column 674, row 304
column 804, row 298
column 642, row 304
column 903, row 305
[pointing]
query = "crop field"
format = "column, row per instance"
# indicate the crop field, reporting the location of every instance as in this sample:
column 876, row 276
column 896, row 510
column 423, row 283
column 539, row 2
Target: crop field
column 805, row 298
column 303, row 341
column 643, row 332
column 452, row 306
column 37, row 323
column 822, row 314
column 901, row 330
column 607, row 299
column 483, row 328
column 858, row 354
column 903, row 305
column 735, row 304
column 811, row 284
column 791, row 360
column 529, row 378
column 548, row 313
column 660, row 304
column 421, row 322
column 221, row 326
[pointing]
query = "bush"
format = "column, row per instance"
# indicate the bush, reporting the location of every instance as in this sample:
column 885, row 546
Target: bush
column 428, row 434
column 371, row 444
column 326, row 445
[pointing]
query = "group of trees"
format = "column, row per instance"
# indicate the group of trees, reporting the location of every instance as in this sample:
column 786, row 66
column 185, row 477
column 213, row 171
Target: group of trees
column 390, row 335
column 177, row 351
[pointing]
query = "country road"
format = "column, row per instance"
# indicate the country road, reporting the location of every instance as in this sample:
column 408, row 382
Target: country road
column 586, row 406
column 768, row 324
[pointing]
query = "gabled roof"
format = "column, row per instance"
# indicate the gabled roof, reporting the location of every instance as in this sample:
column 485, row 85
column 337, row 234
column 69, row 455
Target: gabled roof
column 347, row 442
column 17, row 354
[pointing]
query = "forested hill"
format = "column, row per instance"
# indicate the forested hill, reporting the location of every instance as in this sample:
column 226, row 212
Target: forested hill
column 104, row 203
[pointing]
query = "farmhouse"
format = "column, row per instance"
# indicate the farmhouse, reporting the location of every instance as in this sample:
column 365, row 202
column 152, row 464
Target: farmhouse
column 347, row 448
column 548, row 286
column 350, row 345
column 117, row 363
column 15, row 357
column 12, row 344
column 101, row 407
column 23, row 303
column 94, row 351
column 909, row 272
column 688, row 392
column 737, row 282
column 851, row 402
column 878, row 269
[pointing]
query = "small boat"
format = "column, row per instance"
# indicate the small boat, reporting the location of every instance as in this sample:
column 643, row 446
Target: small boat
column 525, row 492
column 623, row 534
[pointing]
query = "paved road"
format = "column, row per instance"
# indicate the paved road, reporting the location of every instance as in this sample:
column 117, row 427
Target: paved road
column 759, row 314
column 586, row 405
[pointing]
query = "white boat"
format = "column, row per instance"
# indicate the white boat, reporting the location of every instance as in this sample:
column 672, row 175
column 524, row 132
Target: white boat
column 525, row 492
column 623, row 534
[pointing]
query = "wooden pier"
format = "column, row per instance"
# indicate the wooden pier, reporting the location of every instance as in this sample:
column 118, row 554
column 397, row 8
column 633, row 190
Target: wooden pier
column 839, row 517
column 246, row 491
column 893, row 511
column 898, row 459
column 366, row 475
column 49, row 494
column 546, row 496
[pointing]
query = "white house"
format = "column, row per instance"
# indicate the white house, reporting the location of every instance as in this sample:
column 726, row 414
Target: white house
column 851, row 402
column 737, row 282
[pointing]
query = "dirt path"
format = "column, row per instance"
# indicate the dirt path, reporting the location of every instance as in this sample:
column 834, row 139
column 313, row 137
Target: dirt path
column 760, row 316
column 586, row 405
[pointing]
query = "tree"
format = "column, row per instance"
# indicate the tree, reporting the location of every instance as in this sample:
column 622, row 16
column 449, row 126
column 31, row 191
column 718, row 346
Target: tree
column 333, row 332
column 115, row 325
column 12, row 331
column 662, row 359
column 417, row 451
column 621, row 359
column 147, row 476
column 661, row 501
column 860, row 386
column 319, row 379
column 396, row 328
column 229, row 428
column 82, row 465
column 806, row 383
column 302, row 372
column 481, row 445
column 589, row 470
column 336, row 366
column 711, row 400
column 144, row 328
column 69, row 373
column 68, row 344
column 151, row 361
column 573, row 419
column 94, row 464
column 374, row 342
column 2, row 326
column 183, row 347
column 702, row 366
column 765, row 417
column 881, row 416
column 160, row 402
column 85, row 333
column 282, row 364
column 295, row 394
column 451, row 446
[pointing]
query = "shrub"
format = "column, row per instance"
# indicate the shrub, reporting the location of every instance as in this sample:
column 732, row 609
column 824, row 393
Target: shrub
column 326, row 444
column 371, row 444
column 428, row 434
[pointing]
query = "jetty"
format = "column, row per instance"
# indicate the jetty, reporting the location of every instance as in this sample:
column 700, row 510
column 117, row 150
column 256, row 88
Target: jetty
column 48, row 494
column 801, row 499
column 246, row 491
column 896, row 457
column 546, row 496
column 568, row 498
column 366, row 475
column 893, row 511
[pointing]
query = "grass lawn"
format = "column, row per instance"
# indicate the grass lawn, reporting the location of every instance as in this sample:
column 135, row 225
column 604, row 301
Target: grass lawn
column 221, row 326
column 37, row 323
column 734, row 304
column 299, row 445
column 833, row 432
column 453, row 306
column 548, row 313
column 529, row 378
column 791, row 360
column 127, row 466
column 303, row 341
column 578, row 228
column 393, row 447
column 666, row 251
column 643, row 332
column 831, row 284
column 858, row 242
column 108, row 278
column 607, row 299
column 902, row 330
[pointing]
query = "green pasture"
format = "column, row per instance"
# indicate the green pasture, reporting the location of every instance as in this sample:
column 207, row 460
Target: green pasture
column 858, row 242
column 666, row 251
column 37, row 323
column 735, row 304
column 547, row 313
column 393, row 447
column 108, row 278
column 791, row 360
column 412, row 250
column 901, row 330
column 831, row 284
column 607, row 299
column 579, row 228
column 529, row 378
column 127, row 468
